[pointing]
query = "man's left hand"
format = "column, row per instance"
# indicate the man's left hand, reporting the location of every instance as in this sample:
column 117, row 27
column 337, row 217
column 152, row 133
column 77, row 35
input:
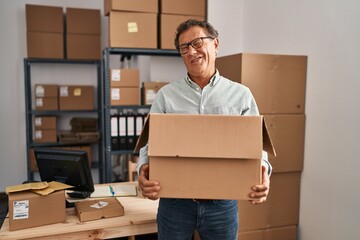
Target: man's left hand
column 260, row 192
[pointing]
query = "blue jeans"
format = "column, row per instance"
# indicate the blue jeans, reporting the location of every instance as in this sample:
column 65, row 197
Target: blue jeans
column 214, row 219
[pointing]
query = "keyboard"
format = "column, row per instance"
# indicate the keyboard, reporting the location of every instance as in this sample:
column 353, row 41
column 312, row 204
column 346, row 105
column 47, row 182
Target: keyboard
column 79, row 194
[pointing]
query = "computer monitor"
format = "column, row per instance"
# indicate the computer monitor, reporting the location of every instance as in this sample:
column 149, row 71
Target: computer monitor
column 66, row 166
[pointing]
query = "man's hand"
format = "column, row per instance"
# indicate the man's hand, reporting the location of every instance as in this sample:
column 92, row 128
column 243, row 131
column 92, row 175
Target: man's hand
column 148, row 188
column 260, row 192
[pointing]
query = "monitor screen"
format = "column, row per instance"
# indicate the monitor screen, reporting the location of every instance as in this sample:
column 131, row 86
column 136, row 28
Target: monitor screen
column 66, row 166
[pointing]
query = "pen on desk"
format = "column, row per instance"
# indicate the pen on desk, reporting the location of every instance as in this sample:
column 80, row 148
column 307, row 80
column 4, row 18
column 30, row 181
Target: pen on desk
column 111, row 190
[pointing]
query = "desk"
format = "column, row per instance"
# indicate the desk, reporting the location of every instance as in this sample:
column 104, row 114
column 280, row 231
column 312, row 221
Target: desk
column 139, row 218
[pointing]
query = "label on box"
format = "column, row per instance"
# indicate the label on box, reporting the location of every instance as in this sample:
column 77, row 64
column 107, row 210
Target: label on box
column 38, row 134
column 77, row 92
column 132, row 27
column 150, row 96
column 116, row 75
column 115, row 93
column 39, row 102
column 21, row 209
column 38, row 121
column 40, row 91
column 64, row 91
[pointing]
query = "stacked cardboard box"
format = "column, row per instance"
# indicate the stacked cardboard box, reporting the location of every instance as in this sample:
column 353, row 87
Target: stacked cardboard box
column 132, row 23
column 172, row 13
column 278, row 84
column 45, row 129
column 45, row 31
column 83, row 33
column 46, row 97
column 124, row 86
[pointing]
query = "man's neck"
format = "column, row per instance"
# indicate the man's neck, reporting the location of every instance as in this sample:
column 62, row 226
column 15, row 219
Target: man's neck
column 201, row 81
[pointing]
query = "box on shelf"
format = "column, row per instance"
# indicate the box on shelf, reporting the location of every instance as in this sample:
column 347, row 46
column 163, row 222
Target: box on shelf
column 132, row 30
column 288, row 135
column 84, row 124
column 98, row 209
column 149, row 90
column 47, row 103
column 28, row 209
column 184, row 7
column 277, row 82
column 125, row 77
column 83, row 46
column 131, row 6
column 83, row 21
column 274, row 213
column 46, row 90
column 124, row 96
column 45, row 123
column 233, row 153
column 42, row 136
column 48, row 19
column 45, row 45
column 76, row 97
column 168, row 25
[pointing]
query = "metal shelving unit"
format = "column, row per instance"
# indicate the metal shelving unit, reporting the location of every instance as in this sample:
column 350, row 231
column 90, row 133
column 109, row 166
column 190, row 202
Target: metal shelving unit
column 124, row 52
column 30, row 112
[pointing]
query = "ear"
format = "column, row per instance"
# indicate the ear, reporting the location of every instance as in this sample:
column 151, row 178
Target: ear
column 216, row 44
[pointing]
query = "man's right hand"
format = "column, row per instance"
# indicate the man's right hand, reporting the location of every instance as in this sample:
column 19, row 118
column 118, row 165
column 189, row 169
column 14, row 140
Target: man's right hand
column 149, row 188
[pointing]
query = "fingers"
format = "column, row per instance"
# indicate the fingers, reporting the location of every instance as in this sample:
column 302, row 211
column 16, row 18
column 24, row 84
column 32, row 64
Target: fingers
column 149, row 188
column 260, row 192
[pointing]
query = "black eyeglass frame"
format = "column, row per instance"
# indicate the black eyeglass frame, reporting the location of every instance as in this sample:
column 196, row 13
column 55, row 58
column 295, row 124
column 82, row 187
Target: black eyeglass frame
column 191, row 44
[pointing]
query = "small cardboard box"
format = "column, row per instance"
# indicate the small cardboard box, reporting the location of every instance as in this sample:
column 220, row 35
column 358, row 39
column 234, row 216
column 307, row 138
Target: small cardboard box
column 46, row 90
column 47, row 103
column 124, row 96
column 76, row 97
column 125, row 77
column 132, row 30
column 43, row 136
column 205, row 156
column 49, row 19
column 184, row 7
column 98, row 209
column 131, row 6
column 168, row 25
column 149, row 90
column 278, row 82
column 45, row 123
column 29, row 209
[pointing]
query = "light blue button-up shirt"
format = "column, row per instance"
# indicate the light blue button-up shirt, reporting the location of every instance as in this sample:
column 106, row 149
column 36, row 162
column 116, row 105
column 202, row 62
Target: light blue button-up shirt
column 220, row 96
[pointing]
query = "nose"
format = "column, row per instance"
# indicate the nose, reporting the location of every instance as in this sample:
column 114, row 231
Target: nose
column 191, row 50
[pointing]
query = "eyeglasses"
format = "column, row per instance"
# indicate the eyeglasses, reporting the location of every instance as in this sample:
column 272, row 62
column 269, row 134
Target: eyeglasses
column 196, row 43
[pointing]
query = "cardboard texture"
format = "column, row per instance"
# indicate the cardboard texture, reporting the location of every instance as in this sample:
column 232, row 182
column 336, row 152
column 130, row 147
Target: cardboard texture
column 45, row 123
column 43, row 136
column 46, row 90
column 149, row 90
column 187, row 152
column 168, row 25
column 47, row 19
column 281, row 233
column 278, row 82
column 150, row 6
column 125, row 77
column 28, row 209
column 47, row 103
column 89, row 210
column 288, row 136
column 124, row 96
column 45, row 45
column 83, row 21
column 184, row 7
column 280, row 209
column 76, row 97
column 133, row 30
column 83, row 46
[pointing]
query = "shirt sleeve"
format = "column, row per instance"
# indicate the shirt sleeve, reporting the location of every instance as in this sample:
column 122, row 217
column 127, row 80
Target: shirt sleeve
column 143, row 158
column 265, row 162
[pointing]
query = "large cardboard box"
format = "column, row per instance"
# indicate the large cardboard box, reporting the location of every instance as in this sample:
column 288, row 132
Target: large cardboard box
column 281, row 233
column 48, row 19
column 28, row 209
column 205, row 156
column 149, row 90
column 125, row 77
column 83, row 21
column 278, row 82
column 288, row 135
column 45, row 45
column 184, row 7
column 168, row 25
column 76, row 97
column 130, row 6
column 280, row 209
column 132, row 30
column 124, row 96
column 83, row 46
column 98, row 209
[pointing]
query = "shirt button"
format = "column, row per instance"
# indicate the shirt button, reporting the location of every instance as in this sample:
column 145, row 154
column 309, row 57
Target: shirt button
column 197, row 89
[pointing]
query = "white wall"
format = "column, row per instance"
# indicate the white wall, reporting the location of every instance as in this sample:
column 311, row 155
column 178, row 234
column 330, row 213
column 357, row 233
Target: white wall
column 326, row 31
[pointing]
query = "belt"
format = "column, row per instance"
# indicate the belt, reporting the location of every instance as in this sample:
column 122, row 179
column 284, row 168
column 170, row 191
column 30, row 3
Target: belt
column 201, row 200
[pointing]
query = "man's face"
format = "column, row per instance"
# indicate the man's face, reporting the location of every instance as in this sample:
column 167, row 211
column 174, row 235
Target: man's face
column 199, row 62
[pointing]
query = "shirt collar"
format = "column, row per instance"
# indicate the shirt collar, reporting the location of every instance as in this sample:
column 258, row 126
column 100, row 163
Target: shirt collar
column 213, row 81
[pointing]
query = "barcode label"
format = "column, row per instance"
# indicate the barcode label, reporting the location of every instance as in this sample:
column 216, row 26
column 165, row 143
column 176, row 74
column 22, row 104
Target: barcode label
column 21, row 209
